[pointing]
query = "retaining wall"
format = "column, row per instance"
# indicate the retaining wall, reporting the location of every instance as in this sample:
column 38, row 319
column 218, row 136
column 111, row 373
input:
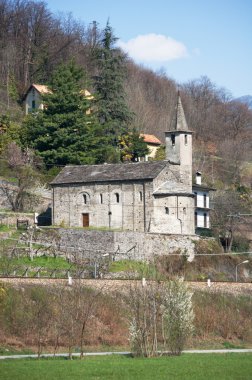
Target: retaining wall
column 133, row 245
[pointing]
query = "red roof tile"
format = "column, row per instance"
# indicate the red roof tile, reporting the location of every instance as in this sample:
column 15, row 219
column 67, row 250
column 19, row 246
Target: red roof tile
column 150, row 139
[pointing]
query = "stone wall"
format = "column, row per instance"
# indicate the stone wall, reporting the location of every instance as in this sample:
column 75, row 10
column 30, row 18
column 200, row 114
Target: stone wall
column 122, row 245
column 11, row 218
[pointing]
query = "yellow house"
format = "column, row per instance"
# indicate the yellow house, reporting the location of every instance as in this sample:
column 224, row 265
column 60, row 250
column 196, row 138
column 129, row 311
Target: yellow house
column 153, row 144
column 33, row 101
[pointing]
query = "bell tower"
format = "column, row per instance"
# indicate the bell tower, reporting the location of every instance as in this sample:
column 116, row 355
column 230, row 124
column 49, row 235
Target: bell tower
column 178, row 142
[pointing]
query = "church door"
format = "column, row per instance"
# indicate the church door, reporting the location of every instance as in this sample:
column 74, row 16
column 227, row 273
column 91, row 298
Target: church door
column 85, row 220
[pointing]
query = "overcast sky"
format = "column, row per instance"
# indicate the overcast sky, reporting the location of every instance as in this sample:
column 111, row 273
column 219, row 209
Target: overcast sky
column 186, row 38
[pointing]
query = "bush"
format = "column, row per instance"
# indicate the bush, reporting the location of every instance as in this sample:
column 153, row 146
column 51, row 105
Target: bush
column 240, row 244
column 207, row 246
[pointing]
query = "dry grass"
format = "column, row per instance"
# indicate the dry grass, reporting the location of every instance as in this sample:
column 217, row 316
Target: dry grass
column 223, row 316
column 219, row 318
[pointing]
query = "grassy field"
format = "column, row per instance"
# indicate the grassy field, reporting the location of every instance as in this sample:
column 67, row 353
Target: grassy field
column 188, row 366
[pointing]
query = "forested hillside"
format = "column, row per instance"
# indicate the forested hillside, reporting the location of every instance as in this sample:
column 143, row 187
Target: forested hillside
column 36, row 46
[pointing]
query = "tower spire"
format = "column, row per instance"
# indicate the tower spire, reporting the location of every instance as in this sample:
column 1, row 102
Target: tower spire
column 179, row 122
column 179, row 139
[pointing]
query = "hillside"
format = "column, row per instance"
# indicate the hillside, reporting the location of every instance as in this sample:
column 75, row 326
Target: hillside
column 145, row 102
column 246, row 99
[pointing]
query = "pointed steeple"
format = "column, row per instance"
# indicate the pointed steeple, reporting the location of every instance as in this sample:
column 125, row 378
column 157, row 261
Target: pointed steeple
column 179, row 122
column 179, row 139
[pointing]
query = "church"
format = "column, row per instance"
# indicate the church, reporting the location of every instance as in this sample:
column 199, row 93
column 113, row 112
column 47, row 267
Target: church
column 153, row 196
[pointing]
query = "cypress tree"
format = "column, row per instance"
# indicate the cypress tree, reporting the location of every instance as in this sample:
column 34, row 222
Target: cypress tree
column 112, row 109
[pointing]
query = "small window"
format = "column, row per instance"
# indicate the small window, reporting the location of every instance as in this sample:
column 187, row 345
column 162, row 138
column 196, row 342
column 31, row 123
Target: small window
column 186, row 140
column 184, row 210
column 33, row 104
column 195, row 199
column 101, row 198
column 205, row 200
column 196, row 219
column 173, row 139
column 205, row 220
column 117, row 198
column 140, row 196
column 167, row 211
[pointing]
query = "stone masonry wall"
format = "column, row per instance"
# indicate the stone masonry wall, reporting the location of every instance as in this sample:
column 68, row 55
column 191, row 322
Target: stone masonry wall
column 122, row 245
column 102, row 206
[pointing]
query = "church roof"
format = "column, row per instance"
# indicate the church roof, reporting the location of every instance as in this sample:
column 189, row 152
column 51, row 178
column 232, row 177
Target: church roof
column 173, row 187
column 109, row 172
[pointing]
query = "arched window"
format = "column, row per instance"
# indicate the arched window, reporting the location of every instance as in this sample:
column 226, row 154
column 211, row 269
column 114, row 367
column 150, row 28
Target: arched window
column 117, row 197
column 86, row 198
column 184, row 210
column 173, row 139
column 101, row 198
column 167, row 211
column 186, row 140
column 140, row 196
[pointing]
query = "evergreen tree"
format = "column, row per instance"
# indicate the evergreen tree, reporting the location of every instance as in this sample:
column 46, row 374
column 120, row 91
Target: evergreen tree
column 160, row 153
column 66, row 132
column 9, row 131
column 113, row 112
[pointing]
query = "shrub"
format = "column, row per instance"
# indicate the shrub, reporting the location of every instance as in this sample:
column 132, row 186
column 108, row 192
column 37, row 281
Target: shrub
column 177, row 316
column 160, row 313
column 207, row 246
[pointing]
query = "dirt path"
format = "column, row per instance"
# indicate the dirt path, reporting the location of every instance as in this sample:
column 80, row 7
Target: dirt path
column 122, row 285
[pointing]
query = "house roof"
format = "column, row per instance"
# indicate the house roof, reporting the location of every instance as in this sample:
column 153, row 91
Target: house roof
column 151, row 139
column 109, row 172
column 87, row 94
column 41, row 88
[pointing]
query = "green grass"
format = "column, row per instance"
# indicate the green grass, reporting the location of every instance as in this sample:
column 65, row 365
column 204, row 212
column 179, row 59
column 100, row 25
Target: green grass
column 8, row 350
column 188, row 366
column 43, row 262
column 129, row 266
column 45, row 265
column 141, row 269
column 4, row 228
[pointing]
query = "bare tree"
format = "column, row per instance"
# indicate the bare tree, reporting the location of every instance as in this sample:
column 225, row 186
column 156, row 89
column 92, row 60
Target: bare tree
column 25, row 192
column 226, row 221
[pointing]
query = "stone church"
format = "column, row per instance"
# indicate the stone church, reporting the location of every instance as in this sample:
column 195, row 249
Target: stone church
column 149, row 196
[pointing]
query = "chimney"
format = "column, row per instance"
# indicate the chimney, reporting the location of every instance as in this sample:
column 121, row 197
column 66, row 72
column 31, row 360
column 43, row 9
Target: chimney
column 198, row 178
